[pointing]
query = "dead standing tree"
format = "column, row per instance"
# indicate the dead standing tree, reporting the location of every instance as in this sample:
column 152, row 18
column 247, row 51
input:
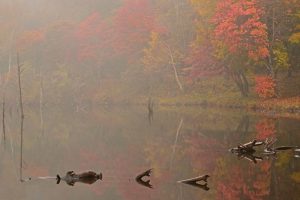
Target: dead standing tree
column 20, row 87
column 21, row 115
column 3, row 81
column 173, row 64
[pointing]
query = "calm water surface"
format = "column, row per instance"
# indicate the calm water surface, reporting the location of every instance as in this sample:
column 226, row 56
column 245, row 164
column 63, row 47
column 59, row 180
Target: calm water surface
column 121, row 143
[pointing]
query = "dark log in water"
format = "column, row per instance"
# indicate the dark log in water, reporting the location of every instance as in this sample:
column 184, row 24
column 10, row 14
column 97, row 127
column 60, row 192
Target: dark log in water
column 71, row 178
column 139, row 178
column 247, row 147
column 195, row 182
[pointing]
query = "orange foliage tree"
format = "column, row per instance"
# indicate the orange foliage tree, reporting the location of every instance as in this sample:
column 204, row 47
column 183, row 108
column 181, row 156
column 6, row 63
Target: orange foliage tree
column 265, row 86
column 239, row 27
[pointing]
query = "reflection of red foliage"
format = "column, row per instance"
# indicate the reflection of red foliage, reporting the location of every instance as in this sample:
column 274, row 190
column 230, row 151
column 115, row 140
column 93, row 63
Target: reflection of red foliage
column 202, row 152
column 265, row 86
column 230, row 190
column 265, row 128
column 250, row 183
column 118, row 172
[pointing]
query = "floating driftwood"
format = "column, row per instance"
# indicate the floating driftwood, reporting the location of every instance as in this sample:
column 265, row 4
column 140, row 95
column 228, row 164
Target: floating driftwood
column 139, row 178
column 270, row 149
column 197, row 182
column 247, row 150
column 247, row 147
column 71, row 177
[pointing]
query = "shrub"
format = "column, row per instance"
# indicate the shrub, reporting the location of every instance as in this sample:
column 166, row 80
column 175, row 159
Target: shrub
column 265, row 86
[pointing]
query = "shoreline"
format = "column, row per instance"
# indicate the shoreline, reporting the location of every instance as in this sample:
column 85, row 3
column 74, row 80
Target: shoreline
column 287, row 107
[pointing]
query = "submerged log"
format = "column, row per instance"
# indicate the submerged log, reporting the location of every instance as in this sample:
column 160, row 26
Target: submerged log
column 247, row 147
column 195, row 182
column 71, row 178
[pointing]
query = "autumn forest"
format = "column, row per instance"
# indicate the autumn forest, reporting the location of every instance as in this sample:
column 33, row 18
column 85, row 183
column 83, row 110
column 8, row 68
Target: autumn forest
column 242, row 52
column 145, row 99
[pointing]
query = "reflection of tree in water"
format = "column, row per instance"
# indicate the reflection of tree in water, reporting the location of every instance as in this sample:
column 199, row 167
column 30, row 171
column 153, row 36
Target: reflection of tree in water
column 265, row 128
column 243, row 127
column 203, row 151
column 244, row 182
column 119, row 173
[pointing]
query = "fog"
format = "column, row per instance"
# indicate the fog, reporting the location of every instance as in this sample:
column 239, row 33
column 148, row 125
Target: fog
column 118, row 87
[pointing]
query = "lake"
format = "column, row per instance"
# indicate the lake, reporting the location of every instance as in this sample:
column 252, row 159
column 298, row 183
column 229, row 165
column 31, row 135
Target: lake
column 123, row 142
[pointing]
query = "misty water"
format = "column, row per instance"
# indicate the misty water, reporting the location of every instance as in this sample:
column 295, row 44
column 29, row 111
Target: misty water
column 122, row 142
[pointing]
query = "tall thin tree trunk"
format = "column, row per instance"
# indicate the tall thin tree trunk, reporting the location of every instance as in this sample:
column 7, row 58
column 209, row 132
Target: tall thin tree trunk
column 10, row 50
column 3, row 117
column 21, row 150
column 237, row 78
column 176, row 74
column 245, row 82
column 41, row 103
column 22, row 117
column 173, row 66
column 20, row 88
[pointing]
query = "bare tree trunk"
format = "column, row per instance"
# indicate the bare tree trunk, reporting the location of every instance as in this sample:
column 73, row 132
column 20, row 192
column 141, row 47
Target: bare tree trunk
column 10, row 49
column 241, row 82
column 245, row 82
column 41, row 103
column 22, row 117
column 21, row 150
column 173, row 66
column 3, row 116
column 20, row 87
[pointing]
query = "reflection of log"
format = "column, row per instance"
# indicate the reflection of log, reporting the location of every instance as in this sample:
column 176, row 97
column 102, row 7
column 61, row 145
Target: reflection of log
column 282, row 148
column 195, row 182
column 150, row 110
column 251, row 157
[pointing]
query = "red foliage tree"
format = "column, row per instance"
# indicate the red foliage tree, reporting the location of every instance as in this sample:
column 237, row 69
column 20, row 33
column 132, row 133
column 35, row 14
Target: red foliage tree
column 133, row 23
column 265, row 86
column 92, row 36
column 239, row 27
column 30, row 38
column 201, row 62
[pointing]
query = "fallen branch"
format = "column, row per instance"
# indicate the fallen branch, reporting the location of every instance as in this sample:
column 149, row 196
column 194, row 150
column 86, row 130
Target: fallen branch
column 195, row 182
column 139, row 178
